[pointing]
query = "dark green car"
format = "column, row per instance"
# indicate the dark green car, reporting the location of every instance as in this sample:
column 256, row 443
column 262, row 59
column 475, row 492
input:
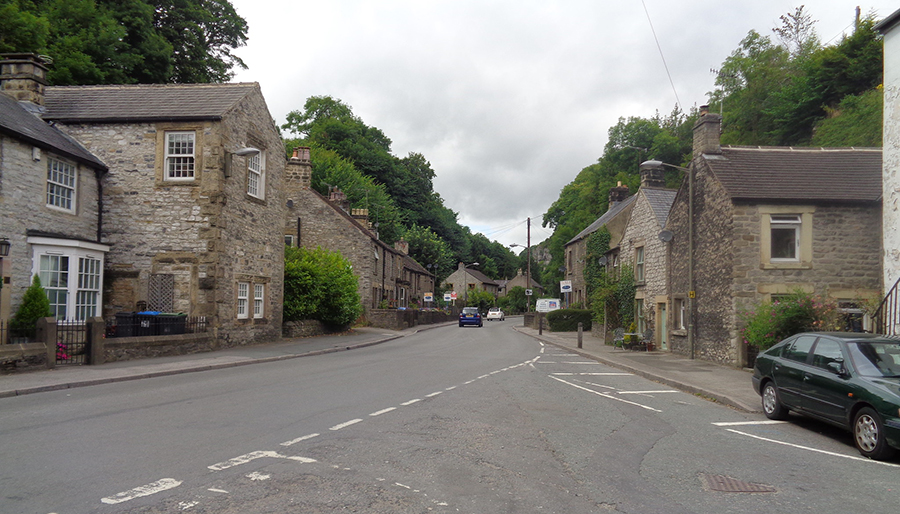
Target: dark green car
column 848, row 379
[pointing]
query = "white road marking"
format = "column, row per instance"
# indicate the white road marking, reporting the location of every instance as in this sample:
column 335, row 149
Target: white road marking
column 383, row 411
column 411, row 402
column 593, row 374
column 739, row 423
column 598, row 393
column 257, row 476
column 398, row 484
column 345, row 424
column 601, row 385
column 297, row 440
column 649, row 392
column 159, row 486
column 432, row 395
column 243, row 459
column 833, row 454
column 450, row 388
column 187, row 505
column 218, row 491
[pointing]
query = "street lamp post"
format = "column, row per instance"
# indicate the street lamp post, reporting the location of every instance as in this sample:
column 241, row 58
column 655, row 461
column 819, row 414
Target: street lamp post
column 691, row 292
column 4, row 251
column 528, row 265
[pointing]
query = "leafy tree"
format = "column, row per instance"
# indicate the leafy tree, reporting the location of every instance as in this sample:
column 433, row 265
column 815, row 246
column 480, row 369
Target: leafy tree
column 514, row 301
column 35, row 305
column 319, row 285
column 481, row 299
column 20, row 28
column 856, row 121
column 428, row 249
column 770, row 322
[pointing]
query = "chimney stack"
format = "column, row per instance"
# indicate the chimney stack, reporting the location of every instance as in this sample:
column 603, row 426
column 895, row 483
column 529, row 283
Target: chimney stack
column 402, row 246
column 706, row 133
column 617, row 194
column 23, row 77
column 298, row 171
column 653, row 176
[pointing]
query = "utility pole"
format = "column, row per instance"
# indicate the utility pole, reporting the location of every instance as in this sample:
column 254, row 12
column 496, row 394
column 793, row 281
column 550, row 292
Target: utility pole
column 528, row 267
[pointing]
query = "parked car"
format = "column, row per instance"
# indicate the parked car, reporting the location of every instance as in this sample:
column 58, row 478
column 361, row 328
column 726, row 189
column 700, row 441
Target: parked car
column 851, row 380
column 470, row 316
column 494, row 313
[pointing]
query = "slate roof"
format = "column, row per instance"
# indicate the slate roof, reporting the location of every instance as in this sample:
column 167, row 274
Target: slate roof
column 611, row 213
column 484, row 279
column 805, row 174
column 660, row 201
column 18, row 122
column 143, row 102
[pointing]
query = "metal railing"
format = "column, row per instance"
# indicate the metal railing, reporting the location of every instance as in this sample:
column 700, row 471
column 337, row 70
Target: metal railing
column 138, row 325
column 887, row 316
column 9, row 335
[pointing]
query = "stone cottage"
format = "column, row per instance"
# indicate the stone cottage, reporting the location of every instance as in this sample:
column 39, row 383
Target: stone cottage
column 615, row 220
column 192, row 205
column 763, row 222
column 388, row 276
column 50, row 195
column 643, row 245
column 466, row 279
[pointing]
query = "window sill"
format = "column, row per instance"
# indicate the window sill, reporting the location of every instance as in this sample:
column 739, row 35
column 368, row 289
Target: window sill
column 786, row 265
column 681, row 332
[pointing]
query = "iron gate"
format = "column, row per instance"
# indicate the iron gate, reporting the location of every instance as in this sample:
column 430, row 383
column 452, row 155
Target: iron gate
column 73, row 342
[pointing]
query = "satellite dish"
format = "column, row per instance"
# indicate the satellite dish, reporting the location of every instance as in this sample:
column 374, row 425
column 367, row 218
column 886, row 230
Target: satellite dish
column 665, row 236
column 602, row 261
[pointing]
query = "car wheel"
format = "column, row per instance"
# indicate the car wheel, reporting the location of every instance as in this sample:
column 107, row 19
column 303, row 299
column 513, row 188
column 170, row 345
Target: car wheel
column 868, row 434
column 460, row 325
column 771, row 404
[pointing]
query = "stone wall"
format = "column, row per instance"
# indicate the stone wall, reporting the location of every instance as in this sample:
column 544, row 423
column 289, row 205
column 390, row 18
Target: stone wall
column 891, row 158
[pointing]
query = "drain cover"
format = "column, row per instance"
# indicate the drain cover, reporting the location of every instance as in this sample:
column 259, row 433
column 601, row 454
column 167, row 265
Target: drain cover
column 730, row 485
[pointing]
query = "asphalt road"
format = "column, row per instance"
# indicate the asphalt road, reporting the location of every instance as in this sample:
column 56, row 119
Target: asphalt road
column 449, row 420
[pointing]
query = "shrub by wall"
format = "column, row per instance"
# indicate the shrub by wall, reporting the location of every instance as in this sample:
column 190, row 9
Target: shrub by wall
column 566, row 320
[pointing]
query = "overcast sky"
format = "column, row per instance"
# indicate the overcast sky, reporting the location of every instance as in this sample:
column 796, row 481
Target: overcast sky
column 508, row 100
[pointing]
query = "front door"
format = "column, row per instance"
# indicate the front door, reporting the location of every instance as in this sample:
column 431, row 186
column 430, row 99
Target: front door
column 662, row 332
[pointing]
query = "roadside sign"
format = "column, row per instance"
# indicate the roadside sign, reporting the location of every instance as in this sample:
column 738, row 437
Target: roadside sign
column 453, row 295
column 429, row 297
column 528, row 292
column 565, row 286
column 448, row 297
column 547, row 304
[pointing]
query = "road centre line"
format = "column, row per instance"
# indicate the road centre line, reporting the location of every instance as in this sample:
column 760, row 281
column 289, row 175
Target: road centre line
column 383, row 411
column 450, row 388
column 411, row 402
column 649, row 392
column 345, row 424
column 739, row 423
column 432, row 395
column 605, row 395
column 297, row 440
column 159, row 486
column 833, row 454
column 594, row 374
column 243, row 459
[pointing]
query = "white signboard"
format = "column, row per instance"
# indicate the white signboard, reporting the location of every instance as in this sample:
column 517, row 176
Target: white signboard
column 565, row 286
column 528, row 292
column 547, row 304
column 448, row 297
column 429, row 297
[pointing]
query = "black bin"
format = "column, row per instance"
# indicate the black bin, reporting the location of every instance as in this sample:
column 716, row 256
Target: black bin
column 146, row 323
column 171, row 323
column 125, row 324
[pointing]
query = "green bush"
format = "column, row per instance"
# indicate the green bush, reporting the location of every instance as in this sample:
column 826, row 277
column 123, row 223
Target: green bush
column 481, row 299
column 770, row 322
column 566, row 320
column 319, row 285
column 34, row 306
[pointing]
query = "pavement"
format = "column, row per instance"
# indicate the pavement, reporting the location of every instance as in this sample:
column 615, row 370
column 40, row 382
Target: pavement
column 714, row 382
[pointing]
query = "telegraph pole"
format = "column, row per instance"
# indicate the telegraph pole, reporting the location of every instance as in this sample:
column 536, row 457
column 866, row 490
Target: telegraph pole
column 528, row 268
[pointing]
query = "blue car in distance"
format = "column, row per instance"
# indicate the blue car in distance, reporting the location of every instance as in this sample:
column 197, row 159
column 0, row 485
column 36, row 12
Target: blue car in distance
column 470, row 316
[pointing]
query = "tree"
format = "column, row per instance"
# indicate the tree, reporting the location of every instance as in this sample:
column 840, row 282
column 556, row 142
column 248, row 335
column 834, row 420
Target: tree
column 430, row 250
column 320, row 285
column 35, row 305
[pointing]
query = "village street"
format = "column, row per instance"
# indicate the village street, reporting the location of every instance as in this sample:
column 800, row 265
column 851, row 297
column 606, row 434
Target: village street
column 447, row 420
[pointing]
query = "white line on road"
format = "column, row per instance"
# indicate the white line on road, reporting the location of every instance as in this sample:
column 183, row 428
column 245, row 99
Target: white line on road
column 739, row 423
column 383, row 411
column 833, row 454
column 345, row 424
column 223, row 491
column 432, row 395
column 411, row 402
column 297, row 440
column 145, row 490
column 605, row 395
column 450, row 388
column 243, row 459
column 593, row 374
column 649, row 392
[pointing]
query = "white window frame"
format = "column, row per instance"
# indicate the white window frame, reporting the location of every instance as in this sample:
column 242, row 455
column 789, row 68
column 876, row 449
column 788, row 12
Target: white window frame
column 288, row 240
column 243, row 300
column 680, row 313
column 785, row 222
column 172, row 158
column 639, row 264
column 259, row 296
column 256, row 175
column 62, row 185
column 640, row 316
column 76, row 289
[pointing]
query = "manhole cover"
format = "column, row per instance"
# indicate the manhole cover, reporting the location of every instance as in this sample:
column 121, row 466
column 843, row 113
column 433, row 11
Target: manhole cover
column 730, row 485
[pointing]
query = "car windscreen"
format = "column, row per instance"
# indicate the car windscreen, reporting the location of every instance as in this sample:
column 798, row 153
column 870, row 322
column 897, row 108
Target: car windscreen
column 470, row 310
column 876, row 359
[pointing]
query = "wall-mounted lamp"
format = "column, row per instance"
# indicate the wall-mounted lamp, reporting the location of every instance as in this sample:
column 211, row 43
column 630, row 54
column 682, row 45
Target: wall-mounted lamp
column 243, row 152
column 4, row 247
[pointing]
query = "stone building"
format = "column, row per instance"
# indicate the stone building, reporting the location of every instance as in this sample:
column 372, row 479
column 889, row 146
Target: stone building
column 192, row 202
column 466, row 279
column 642, row 246
column 388, row 276
column 615, row 220
column 50, row 190
column 767, row 221
column 504, row 286
column 890, row 28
